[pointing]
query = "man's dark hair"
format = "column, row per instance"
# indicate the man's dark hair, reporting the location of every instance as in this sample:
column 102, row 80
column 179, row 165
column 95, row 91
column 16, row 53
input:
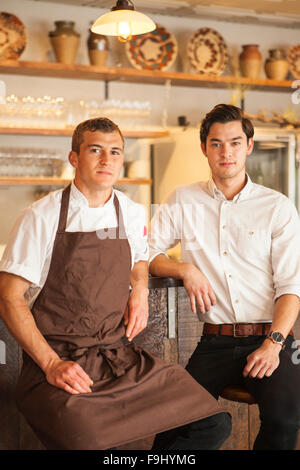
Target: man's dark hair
column 101, row 124
column 224, row 113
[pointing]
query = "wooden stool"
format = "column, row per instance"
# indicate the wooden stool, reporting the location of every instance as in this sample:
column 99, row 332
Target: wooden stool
column 237, row 393
column 245, row 418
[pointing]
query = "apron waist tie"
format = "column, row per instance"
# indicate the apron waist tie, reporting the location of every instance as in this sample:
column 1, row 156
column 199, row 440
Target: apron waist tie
column 117, row 365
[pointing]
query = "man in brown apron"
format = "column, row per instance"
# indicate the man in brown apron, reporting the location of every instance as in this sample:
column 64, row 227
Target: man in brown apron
column 84, row 384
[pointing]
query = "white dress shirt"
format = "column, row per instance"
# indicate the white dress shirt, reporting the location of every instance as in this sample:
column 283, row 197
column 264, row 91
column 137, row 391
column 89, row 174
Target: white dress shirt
column 248, row 247
column 30, row 245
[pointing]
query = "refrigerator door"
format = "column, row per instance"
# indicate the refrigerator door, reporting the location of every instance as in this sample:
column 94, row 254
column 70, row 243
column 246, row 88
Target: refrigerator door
column 272, row 163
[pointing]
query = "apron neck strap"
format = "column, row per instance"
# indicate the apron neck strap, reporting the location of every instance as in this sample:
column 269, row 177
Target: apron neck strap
column 64, row 213
column 64, row 209
column 120, row 221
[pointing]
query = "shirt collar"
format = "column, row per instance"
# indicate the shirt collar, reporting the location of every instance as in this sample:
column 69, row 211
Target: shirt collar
column 215, row 193
column 79, row 199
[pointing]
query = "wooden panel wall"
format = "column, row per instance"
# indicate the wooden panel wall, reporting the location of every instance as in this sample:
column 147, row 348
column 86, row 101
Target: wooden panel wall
column 9, row 416
column 15, row 433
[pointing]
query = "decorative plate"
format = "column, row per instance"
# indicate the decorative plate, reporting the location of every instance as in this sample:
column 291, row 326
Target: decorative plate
column 156, row 50
column 12, row 36
column 207, row 51
column 293, row 58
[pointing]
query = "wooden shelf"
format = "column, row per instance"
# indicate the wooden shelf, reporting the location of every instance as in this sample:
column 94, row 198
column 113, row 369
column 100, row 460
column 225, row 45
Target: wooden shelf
column 39, row 181
column 128, row 75
column 133, row 134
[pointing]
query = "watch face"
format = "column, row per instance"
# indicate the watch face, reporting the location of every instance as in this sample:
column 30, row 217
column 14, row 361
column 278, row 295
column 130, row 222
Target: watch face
column 278, row 337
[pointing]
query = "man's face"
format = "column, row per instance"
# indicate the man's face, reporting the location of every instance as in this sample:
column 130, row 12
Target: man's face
column 227, row 149
column 100, row 159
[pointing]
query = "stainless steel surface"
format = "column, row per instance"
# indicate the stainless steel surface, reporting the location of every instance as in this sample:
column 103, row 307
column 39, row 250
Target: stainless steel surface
column 171, row 312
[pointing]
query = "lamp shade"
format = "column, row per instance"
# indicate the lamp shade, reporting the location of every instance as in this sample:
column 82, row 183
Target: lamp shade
column 108, row 24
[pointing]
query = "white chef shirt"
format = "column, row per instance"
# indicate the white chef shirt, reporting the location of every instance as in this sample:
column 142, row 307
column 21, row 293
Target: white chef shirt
column 29, row 248
column 248, row 247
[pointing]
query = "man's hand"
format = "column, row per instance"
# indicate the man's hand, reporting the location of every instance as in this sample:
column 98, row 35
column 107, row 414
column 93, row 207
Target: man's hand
column 263, row 361
column 198, row 289
column 68, row 375
column 136, row 313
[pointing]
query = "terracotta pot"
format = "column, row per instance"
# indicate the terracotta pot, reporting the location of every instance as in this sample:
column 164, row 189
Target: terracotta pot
column 65, row 41
column 276, row 66
column 250, row 61
column 98, row 48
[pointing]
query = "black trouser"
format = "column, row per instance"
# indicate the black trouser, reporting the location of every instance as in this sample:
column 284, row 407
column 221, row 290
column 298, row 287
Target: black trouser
column 205, row 434
column 219, row 361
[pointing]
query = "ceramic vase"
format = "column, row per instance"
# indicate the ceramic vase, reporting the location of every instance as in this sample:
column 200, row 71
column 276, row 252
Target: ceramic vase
column 276, row 65
column 98, row 48
column 250, row 61
column 65, row 41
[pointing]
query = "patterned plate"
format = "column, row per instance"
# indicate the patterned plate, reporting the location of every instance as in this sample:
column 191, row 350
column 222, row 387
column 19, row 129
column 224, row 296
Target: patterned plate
column 293, row 58
column 207, row 51
column 12, row 36
column 156, row 50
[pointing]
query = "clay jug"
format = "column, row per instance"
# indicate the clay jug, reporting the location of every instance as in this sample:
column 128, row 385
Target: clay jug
column 276, row 65
column 65, row 41
column 98, row 48
column 250, row 61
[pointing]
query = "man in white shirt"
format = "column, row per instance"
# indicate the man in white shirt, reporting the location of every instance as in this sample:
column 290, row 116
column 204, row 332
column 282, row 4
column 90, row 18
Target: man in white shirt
column 84, row 384
column 240, row 245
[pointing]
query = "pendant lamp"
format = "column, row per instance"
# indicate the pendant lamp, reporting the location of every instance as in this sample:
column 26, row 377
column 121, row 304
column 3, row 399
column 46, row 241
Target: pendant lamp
column 123, row 21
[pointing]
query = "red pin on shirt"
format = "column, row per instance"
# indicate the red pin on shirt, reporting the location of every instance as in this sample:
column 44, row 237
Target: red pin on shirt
column 145, row 230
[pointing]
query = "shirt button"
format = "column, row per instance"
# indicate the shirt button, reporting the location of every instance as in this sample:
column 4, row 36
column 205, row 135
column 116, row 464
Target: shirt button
column 230, row 275
column 224, row 226
column 225, row 253
column 236, row 301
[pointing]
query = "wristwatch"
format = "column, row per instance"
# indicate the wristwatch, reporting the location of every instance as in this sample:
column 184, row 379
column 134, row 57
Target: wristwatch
column 276, row 337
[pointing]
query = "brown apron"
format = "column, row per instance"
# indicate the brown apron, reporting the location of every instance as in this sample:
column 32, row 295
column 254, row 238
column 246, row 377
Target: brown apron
column 80, row 312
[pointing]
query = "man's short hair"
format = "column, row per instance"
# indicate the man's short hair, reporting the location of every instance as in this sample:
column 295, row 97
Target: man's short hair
column 101, row 124
column 224, row 113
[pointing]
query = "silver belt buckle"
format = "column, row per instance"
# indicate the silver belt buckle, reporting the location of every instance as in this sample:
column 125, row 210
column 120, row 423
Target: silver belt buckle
column 234, row 330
